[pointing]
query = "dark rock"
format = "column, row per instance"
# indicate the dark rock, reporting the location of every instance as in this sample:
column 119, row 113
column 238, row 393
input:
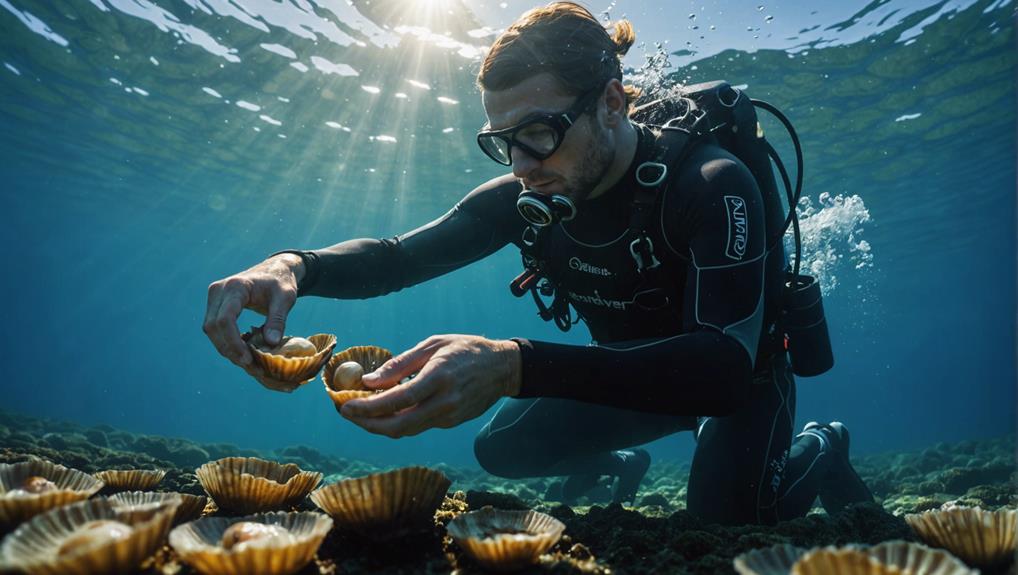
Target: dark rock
column 869, row 523
column 66, row 441
column 97, row 437
column 554, row 491
column 929, row 460
column 22, row 437
column 155, row 446
column 562, row 512
column 655, row 499
column 992, row 496
column 880, row 486
column 930, row 487
column 959, row 480
column 190, row 456
column 478, row 499
column 309, row 454
column 527, row 494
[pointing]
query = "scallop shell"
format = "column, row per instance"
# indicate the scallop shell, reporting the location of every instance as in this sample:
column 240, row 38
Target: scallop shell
column 131, row 479
column 191, row 506
column 198, row 544
column 250, row 484
column 33, row 546
column 842, row 561
column 913, row 558
column 293, row 369
column 384, row 505
column 72, row 485
column 918, row 559
column 503, row 540
column 775, row 560
column 370, row 357
column 979, row 537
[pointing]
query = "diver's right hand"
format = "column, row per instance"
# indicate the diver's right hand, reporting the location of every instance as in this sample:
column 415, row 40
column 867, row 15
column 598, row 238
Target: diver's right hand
column 269, row 288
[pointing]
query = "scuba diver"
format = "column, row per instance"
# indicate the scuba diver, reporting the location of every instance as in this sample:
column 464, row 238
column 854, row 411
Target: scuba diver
column 660, row 227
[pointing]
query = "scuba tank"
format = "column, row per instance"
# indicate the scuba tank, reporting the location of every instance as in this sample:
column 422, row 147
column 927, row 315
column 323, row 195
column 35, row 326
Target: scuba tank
column 717, row 109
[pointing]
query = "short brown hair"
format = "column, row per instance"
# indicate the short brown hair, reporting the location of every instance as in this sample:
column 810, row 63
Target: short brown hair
column 563, row 39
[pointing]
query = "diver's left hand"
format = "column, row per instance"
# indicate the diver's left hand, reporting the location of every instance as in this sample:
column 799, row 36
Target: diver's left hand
column 458, row 378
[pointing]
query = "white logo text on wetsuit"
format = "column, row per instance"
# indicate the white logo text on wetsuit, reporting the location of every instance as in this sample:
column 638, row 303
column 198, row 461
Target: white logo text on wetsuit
column 576, row 264
column 597, row 300
column 738, row 227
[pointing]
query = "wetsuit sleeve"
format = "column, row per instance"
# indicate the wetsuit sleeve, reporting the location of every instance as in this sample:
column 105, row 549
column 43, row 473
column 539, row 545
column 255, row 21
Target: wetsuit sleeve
column 479, row 225
column 705, row 370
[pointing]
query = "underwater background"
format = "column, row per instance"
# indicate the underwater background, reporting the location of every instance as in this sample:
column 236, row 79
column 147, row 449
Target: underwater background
column 150, row 148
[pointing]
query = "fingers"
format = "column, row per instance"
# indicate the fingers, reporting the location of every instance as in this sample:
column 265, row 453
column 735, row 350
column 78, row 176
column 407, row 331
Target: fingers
column 226, row 301
column 429, row 413
column 280, row 303
column 401, row 366
column 392, row 400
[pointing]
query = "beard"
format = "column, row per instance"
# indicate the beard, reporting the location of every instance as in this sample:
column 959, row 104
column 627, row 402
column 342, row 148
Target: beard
column 591, row 170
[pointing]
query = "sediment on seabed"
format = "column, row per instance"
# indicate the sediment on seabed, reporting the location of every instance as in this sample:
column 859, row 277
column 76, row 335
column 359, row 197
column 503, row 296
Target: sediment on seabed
column 658, row 535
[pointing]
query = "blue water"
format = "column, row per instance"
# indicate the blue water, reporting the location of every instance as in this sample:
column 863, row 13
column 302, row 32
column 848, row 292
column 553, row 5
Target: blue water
column 150, row 148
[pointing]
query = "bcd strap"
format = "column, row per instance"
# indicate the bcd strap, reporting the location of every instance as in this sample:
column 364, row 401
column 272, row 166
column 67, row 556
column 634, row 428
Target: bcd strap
column 671, row 147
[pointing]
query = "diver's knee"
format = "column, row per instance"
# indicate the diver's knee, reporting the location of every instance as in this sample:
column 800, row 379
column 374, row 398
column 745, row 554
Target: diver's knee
column 494, row 457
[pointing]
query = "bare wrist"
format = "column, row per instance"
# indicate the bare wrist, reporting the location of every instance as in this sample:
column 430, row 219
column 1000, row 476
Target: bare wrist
column 295, row 264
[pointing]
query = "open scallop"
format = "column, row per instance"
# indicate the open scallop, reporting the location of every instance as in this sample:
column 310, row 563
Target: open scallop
column 918, row 559
column 503, row 540
column 88, row 537
column 31, row 487
column 131, row 479
column 287, row 362
column 342, row 374
column 979, row 537
column 842, row 561
column 775, row 560
column 913, row 558
column 385, row 505
column 285, row 543
column 191, row 506
column 250, row 484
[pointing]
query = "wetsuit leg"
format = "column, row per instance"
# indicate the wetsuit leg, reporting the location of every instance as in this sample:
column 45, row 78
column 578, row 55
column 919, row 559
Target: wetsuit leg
column 549, row 437
column 746, row 468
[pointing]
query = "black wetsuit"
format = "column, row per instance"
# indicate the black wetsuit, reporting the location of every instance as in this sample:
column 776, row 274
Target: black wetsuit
column 687, row 347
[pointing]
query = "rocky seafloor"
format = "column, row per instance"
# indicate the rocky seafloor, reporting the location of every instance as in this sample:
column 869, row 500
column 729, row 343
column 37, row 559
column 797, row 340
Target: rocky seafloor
column 656, row 536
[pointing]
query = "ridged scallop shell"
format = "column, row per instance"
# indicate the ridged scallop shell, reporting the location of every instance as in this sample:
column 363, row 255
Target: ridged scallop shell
column 191, row 506
column 33, row 546
column 979, row 537
column 293, row 369
column 250, row 484
column 131, row 479
column 914, row 558
column 370, row 357
column 198, row 544
column 384, row 505
column 843, row 561
column 775, row 560
column 72, row 485
column 918, row 559
column 503, row 540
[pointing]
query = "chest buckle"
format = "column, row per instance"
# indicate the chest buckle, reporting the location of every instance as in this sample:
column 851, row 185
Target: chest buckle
column 642, row 250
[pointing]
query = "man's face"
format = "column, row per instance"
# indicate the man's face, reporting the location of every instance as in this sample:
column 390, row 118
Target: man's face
column 585, row 154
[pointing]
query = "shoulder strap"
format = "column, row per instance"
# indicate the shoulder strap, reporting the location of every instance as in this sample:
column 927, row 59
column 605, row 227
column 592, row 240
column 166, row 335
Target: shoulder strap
column 653, row 176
